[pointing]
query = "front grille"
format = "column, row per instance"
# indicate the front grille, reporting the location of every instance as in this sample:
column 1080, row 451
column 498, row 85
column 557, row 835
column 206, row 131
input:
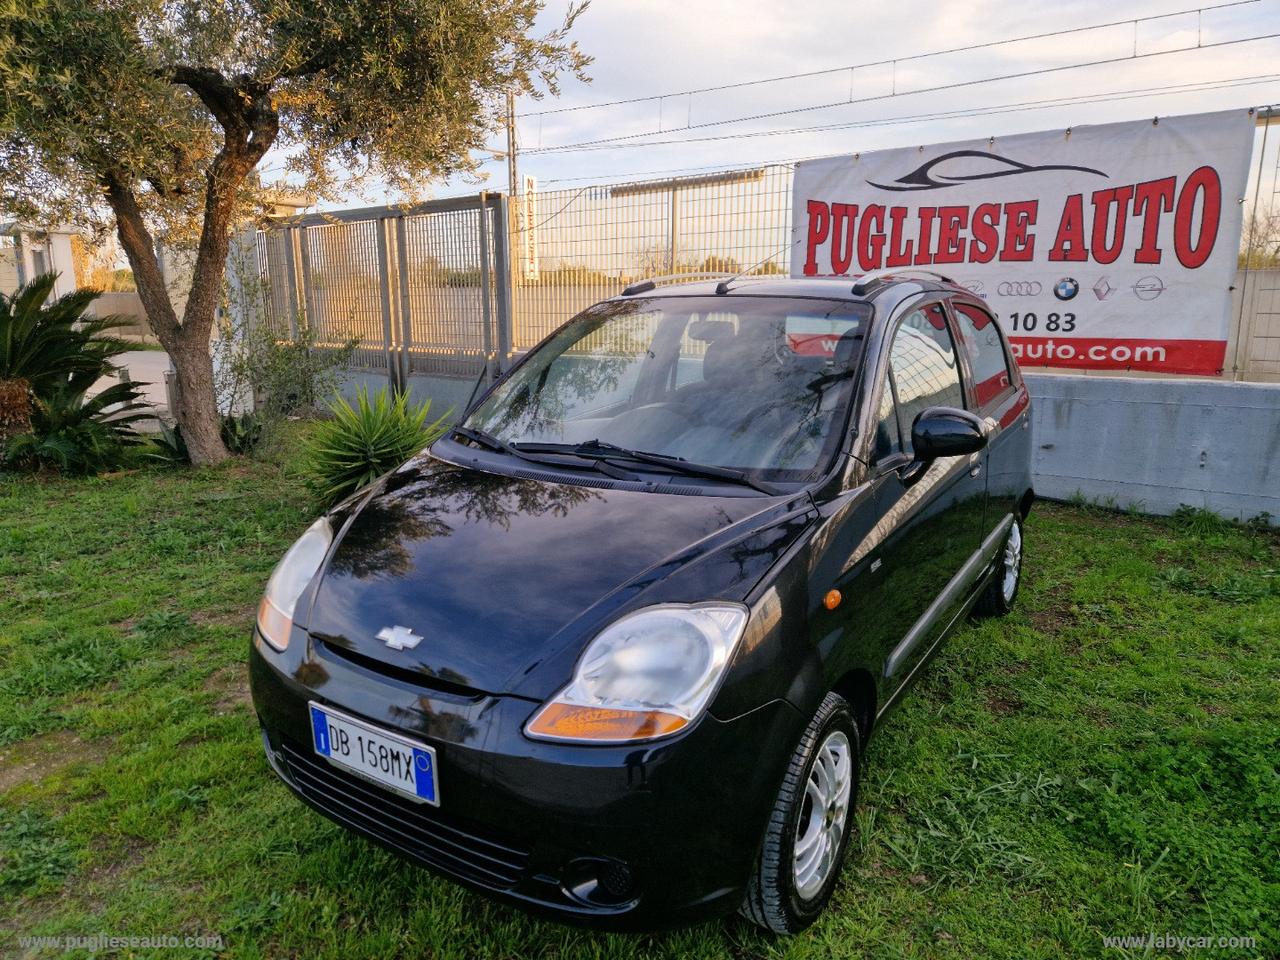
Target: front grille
column 417, row 831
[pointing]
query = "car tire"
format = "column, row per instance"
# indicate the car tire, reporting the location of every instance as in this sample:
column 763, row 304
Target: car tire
column 826, row 763
column 1002, row 588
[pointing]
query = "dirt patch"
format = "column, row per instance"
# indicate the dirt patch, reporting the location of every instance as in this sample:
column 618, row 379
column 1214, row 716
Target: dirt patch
column 244, row 616
column 1003, row 702
column 230, row 687
column 39, row 757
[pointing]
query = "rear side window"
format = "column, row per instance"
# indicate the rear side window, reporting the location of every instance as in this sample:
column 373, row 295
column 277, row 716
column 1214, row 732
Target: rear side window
column 925, row 367
column 984, row 348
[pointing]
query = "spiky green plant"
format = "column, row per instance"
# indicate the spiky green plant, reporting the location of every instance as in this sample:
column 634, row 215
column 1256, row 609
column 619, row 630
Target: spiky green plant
column 363, row 442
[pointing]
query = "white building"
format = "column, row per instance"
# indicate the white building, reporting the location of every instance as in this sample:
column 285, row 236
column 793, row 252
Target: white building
column 26, row 252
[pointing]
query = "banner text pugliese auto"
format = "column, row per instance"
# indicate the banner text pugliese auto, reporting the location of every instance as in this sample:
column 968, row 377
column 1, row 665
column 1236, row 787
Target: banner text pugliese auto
column 1106, row 247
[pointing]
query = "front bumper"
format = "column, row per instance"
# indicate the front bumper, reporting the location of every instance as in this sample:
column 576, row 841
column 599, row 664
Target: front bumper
column 629, row 837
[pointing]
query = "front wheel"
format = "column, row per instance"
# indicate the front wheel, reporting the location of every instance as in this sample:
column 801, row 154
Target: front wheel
column 808, row 831
column 997, row 599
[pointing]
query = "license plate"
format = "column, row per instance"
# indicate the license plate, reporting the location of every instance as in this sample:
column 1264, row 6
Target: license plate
column 387, row 759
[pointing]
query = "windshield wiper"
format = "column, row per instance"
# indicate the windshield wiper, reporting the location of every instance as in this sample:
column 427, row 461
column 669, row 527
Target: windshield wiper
column 599, row 450
column 486, row 439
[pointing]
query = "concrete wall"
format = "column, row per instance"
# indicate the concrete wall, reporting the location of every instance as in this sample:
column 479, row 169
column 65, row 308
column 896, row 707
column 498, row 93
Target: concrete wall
column 125, row 304
column 1156, row 444
column 443, row 392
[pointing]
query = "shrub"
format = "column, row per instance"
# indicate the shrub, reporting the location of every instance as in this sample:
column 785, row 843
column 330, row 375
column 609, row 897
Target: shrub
column 243, row 432
column 240, row 432
column 45, row 344
column 284, row 376
column 51, row 355
column 363, row 442
column 76, row 434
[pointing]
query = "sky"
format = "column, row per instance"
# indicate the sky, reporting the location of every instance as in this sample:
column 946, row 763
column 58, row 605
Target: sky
column 647, row 48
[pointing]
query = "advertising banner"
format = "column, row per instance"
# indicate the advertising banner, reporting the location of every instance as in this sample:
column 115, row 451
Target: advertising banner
column 1110, row 247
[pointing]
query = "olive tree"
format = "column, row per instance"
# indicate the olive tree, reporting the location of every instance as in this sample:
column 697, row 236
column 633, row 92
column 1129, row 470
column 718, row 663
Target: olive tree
column 153, row 116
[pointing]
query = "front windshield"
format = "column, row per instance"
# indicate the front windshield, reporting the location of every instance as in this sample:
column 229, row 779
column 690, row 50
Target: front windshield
column 757, row 384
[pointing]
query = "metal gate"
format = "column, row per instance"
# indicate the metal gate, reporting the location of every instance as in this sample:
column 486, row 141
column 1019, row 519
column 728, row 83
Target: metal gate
column 424, row 289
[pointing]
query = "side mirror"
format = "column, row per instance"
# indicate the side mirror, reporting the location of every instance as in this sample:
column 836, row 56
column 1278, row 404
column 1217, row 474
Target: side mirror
column 943, row 432
column 946, row 432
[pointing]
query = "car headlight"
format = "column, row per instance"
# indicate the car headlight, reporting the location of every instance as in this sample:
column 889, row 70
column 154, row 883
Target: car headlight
column 289, row 579
column 646, row 675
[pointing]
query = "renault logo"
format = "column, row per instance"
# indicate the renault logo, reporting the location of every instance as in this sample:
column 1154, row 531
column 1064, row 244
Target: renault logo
column 399, row 638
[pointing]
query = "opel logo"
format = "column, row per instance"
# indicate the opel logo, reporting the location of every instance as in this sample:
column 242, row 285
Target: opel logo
column 399, row 638
column 1148, row 288
column 1019, row 288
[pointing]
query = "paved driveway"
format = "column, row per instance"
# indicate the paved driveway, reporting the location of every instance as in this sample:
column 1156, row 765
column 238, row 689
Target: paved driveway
column 146, row 367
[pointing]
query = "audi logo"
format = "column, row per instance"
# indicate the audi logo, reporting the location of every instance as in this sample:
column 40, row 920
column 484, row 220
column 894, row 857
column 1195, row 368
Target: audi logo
column 1019, row 288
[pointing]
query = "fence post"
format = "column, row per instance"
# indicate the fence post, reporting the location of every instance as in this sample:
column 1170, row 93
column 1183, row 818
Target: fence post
column 406, row 304
column 291, row 275
column 502, row 279
column 308, row 303
column 384, row 290
column 675, row 230
column 485, row 280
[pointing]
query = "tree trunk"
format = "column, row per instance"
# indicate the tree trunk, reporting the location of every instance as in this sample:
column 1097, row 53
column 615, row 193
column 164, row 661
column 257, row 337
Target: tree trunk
column 15, row 408
column 250, row 125
column 197, row 406
column 187, row 343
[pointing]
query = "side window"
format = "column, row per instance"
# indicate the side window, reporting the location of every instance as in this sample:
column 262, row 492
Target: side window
column 925, row 368
column 888, row 432
column 980, row 338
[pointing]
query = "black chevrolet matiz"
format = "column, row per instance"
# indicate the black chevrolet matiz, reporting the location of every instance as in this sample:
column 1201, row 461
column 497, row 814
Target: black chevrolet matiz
column 613, row 648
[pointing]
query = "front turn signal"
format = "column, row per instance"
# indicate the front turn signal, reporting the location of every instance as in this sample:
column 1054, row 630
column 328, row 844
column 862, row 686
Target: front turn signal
column 566, row 721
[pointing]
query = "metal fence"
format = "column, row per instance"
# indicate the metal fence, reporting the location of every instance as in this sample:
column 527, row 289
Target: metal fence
column 575, row 247
column 424, row 289
column 454, row 287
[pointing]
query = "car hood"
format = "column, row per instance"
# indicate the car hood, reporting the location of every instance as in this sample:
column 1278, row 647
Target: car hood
column 505, row 578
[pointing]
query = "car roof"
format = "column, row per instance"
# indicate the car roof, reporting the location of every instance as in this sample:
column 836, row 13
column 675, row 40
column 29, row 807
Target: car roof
column 870, row 289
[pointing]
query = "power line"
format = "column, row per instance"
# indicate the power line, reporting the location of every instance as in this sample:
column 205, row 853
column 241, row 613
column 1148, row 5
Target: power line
column 1024, row 74
column 1015, row 107
column 882, row 63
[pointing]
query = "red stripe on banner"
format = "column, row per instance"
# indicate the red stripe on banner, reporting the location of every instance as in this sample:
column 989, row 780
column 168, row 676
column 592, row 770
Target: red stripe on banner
column 1105, row 353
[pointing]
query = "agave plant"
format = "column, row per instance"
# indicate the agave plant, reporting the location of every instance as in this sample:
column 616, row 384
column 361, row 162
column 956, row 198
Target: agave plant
column 363, row 442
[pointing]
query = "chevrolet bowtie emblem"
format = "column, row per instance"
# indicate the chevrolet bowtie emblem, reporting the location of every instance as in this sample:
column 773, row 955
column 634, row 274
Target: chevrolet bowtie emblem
column 399, row 638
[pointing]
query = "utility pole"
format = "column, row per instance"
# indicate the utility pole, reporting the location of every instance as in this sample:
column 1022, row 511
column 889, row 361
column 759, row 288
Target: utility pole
column 512, row 177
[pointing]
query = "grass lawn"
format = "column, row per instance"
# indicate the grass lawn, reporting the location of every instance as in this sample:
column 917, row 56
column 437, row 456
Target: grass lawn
column 1102, row 762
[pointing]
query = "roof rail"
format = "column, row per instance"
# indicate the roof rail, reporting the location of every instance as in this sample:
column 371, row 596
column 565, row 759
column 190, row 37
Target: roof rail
column 644, row 286
column 868, row 281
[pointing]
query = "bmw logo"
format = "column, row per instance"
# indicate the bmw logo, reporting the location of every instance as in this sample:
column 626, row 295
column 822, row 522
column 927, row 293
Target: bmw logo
column 1066, row 288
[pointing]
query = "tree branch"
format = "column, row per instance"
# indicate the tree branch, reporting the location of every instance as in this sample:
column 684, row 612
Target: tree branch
column 141, row 252
column 220, row 95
